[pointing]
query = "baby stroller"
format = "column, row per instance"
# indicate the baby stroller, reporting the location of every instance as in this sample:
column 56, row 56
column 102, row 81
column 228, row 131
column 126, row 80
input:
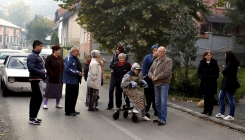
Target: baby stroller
column 126, row 108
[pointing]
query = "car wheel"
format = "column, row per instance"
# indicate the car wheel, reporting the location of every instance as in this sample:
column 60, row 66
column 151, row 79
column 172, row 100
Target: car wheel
column 4, row 90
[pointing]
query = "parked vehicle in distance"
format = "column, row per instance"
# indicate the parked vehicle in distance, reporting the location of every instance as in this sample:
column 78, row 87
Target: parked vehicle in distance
column 5, row 52
column 15, row 75
column 45, row 53
column 16, row 47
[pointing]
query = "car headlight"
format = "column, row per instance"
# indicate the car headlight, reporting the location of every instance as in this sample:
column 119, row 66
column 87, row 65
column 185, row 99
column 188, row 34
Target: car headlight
column 11, row 79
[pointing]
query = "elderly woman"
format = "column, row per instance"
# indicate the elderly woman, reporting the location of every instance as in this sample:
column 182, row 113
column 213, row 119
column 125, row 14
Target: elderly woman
column 95, row 80
column 54, row 65
column 208, row 73
column 120, row 69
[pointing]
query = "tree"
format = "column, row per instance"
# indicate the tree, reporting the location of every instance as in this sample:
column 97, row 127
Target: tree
column 135, row 23
column 54, row 38
column 39, row 28
column 237, row 15
column 182, row 40
column 19, row 13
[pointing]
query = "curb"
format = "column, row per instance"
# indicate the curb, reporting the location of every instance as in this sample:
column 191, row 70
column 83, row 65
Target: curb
column 213, row 119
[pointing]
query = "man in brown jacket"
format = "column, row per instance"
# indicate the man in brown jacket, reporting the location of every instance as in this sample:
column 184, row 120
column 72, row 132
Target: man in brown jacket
column 161, row 73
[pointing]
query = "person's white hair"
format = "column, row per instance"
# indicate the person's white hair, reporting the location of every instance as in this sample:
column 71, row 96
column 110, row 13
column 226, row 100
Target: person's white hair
column 95, row 53
column 74, row 48
column 121, row 55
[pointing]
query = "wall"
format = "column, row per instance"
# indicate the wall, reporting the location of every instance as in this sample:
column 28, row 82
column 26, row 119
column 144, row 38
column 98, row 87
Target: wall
column 73, row 32
column 9, row 37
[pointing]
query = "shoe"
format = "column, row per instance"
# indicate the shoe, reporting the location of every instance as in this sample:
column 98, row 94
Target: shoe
column 161, row 123
column 135, row 111
column 108, row 108
column 229, row 118
column 70, row 114
column 92, row 109
column 59, row 106
column 205, row 113
column 219, row 115
column 129, row 111
column 209, row 114
column 157, row 120
column 146, row 118
column 76, row 112
column 34, row 121
column 40, row 120
column 45, row 107
column 96, row 109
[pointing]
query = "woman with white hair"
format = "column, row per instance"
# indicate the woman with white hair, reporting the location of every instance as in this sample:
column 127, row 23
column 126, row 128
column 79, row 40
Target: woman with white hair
column 95, row 80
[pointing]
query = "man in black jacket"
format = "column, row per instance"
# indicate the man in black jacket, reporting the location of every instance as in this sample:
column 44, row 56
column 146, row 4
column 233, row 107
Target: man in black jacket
column 36, row 70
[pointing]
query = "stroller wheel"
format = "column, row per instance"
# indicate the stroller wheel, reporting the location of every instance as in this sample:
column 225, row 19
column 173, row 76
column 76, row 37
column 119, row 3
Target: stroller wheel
column 125, row 114
column 135, row 118
column 115, row 115
column 148, row 115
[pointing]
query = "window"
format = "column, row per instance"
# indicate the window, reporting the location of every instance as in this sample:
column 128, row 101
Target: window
column 14, row 31
column 1, row 40
column 17, row 62
column 204, row 28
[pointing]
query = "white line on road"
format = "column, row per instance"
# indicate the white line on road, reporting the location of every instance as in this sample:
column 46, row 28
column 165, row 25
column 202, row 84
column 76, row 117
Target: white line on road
column 120, row 128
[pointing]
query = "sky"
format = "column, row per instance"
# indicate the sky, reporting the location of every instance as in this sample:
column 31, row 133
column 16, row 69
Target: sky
column 40, row 7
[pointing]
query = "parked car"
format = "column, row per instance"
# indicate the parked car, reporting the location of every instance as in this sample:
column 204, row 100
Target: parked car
column 16, row 47
column 5, row 52
column 15, row 75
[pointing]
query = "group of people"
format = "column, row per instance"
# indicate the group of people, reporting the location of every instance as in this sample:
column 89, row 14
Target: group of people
column 208, row 73
column 156, row 71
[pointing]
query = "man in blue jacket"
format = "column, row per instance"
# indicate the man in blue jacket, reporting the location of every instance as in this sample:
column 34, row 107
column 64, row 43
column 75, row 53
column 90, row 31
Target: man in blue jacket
column 72, row 77
column 36, row 70
column 149, row 92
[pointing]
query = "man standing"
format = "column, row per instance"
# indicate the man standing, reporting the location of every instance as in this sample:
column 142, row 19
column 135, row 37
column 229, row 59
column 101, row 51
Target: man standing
column 161, row 73
column 36, row 70
column 72, row 77
column 149, row 92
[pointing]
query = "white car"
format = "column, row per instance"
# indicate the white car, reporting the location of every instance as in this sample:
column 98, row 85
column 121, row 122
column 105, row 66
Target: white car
column 15, row 75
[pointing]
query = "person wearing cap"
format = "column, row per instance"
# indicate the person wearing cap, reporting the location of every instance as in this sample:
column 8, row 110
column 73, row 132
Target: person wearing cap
column 161, row 73
column 54, row 65
column 149, row 92
column 130, row 85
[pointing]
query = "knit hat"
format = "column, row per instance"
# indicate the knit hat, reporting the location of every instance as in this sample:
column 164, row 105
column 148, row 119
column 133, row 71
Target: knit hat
column 154, row 46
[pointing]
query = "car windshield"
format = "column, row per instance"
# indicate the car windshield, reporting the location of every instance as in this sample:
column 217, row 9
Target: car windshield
column 3, row 55
column 17, row 62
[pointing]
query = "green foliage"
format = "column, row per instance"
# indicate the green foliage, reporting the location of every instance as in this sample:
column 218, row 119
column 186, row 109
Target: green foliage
column 137, row 24
column 39, row 28
column 19, row 13
column 54, row 38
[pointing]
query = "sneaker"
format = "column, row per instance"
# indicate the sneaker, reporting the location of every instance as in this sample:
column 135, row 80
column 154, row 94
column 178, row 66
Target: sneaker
column 59, row 106
column 157, row 121
column 219, row 115
column 161, row 123
column 129, row 112
column 34, row 121
column 146, row 118
column 135, row 111
column 45, row 107
column 229, row 118
column 40, row 120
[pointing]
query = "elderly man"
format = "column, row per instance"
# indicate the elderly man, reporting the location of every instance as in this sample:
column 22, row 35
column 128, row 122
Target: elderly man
column 72, row 77
column 161, row 73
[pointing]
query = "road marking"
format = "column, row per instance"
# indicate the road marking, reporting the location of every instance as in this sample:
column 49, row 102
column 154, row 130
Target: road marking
column 120, row 128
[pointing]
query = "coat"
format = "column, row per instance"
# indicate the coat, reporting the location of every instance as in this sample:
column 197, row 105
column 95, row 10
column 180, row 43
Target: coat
column 208, row 73
column 94, row 74
column 229, row 82
column 54, row 66
column 35, row 65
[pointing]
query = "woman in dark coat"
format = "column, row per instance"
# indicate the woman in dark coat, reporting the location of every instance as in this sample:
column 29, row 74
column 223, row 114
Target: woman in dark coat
column 86, row 66
column 54, row 65
column 229, row 85
column 208, row 73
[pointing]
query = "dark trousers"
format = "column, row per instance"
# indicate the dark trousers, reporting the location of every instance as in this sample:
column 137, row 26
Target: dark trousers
column 71, row 95
column 111, row 91
column 208, row 103
column 36, row 99
column 119, row 92
column 150, row 97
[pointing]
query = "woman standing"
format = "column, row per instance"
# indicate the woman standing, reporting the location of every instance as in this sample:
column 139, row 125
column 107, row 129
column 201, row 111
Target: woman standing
column 208, row 73
column 229, row 85
column 114, row 61
column 54, row 65
column 94, row 81
column 120, row 69
column 86, row 66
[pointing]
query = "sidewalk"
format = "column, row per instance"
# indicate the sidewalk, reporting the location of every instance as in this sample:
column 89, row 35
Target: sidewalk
column 192, row 108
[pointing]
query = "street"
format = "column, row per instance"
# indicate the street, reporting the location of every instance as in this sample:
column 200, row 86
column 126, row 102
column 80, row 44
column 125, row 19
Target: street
column 101, row 126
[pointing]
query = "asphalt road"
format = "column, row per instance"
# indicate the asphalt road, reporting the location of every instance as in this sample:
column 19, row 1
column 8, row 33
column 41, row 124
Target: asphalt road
column 100, row 125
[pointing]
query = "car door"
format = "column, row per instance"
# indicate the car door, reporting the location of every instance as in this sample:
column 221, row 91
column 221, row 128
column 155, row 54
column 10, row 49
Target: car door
column 3, row 67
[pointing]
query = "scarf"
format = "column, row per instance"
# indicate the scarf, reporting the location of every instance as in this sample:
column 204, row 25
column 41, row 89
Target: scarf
column 121, row 63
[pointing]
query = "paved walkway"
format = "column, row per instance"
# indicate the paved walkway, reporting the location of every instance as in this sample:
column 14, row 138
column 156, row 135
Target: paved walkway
column 192, row 108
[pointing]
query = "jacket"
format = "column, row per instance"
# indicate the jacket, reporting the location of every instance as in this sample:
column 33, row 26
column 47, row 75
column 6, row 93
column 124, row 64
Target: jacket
column 94, row 74
column 115, row 60
column 70, row 73
column 229, row 82
column 147, row 60
column 119, row 72
column 35, row 65
column 86, row 68
column 208, row 73
column 54, row 67
column 126, row 81
column 162, row 71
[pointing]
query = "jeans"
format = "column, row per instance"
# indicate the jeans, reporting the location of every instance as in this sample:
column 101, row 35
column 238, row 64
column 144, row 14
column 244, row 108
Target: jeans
column 161, row 100
column 231, row 102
